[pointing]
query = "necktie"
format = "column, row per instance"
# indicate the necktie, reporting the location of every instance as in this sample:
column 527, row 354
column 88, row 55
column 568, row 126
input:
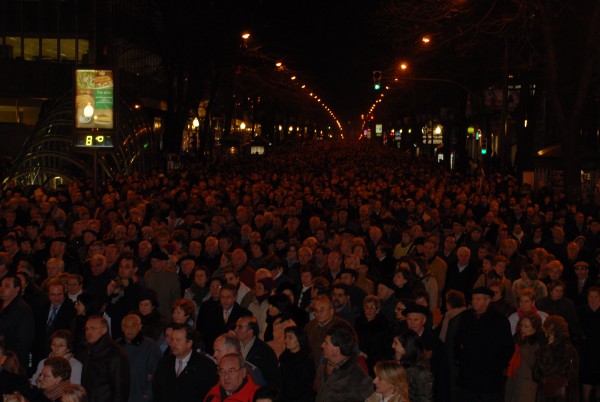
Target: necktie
column 52, row 315
column 226, row 315
column 179, row 367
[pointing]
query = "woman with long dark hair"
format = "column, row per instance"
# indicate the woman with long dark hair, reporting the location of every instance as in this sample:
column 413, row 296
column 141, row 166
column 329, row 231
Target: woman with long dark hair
column 296, row 367
column 410, row 352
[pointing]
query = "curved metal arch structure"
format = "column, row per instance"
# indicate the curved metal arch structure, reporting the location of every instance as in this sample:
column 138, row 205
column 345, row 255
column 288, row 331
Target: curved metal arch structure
column 48, row 152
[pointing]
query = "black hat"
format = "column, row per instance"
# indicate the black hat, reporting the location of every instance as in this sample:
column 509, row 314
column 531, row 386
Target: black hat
column 389, row 221
column 286, row 286
column 281, row 302
column 475, row 228
column 61, row 239
column 482, row 290
column 158, row 254
column 389, row 284
column 150, row 295
column 198, row 225
column 415, row 308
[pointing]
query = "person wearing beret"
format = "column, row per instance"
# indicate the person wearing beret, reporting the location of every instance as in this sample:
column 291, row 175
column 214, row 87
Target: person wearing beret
column 483, row 347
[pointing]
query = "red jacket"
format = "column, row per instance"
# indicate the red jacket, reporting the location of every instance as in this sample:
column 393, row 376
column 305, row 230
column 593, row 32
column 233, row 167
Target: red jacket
column 244, row 394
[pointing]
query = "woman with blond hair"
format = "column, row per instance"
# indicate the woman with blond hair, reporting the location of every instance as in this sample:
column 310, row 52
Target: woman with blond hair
column 391, row 384
column 74, row 393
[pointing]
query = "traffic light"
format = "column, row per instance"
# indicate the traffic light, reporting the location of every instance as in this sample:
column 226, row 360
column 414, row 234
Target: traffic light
column 377, row 80
column 483, row 146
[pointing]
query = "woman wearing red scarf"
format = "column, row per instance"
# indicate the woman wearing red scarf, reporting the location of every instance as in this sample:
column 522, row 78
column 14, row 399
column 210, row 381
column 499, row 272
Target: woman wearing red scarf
column 520, row 386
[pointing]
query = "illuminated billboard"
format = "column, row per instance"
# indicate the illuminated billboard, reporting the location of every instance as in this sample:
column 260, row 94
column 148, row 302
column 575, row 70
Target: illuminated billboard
column 94, row 99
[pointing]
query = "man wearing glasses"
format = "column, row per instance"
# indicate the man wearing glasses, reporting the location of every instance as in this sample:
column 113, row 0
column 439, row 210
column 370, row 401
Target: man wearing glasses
column 234, row 384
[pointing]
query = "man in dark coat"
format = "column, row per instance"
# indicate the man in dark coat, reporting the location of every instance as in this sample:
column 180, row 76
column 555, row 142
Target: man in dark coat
column 105, row 373
column 256, row 351
column 57, row 313
column 184, row 375
column 17, row 323
column 219, row 320
column 484, row 346
column 339, row 377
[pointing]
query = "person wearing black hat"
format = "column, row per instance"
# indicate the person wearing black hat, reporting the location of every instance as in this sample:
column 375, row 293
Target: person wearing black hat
column 416, row 319
column 390, row 233
column 386, row 290
column 186, row 265
column 484, row 346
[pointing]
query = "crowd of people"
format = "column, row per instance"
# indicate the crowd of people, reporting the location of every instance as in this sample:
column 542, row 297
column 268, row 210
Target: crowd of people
column 333, row 271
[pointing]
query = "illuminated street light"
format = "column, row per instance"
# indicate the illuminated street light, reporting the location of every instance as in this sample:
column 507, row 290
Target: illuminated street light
column 242, row 125
column 245, row 35
column 426, row 39
column 293, row 77
column 403, row 66
column 195, row 123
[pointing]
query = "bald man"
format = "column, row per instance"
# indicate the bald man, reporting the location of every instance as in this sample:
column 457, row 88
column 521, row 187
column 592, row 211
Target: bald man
column 144, row 355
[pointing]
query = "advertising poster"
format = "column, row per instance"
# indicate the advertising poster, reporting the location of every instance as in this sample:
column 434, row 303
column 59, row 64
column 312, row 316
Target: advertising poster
column 94, row 98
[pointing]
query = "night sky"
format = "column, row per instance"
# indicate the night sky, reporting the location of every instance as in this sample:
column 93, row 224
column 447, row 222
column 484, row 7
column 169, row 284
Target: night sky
column 330, row 45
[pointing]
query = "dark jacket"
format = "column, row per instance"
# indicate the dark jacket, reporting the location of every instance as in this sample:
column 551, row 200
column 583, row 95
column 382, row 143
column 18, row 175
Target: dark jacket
column 63, row 320
column 105, row 373
column 122, row 304
column 420, row 382
column 17, row 325
column 559, row 359
column 349, row 383
column 192, row 384
column 297, row 376
column 211, row 323
column 262, row 356
column 483, row 347
column 374, row 339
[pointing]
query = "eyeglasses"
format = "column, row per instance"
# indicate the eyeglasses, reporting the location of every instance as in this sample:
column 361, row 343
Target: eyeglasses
column 225, row 373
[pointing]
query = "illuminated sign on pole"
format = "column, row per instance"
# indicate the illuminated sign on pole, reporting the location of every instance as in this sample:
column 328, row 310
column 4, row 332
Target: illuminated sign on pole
column 94, row 99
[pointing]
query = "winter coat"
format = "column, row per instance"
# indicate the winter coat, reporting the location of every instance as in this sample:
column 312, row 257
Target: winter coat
column 244, row 394
column 349, row 383
column 105, row 374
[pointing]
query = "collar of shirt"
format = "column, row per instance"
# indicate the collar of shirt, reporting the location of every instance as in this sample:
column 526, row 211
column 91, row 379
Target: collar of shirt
column 245, row 348
column 185, row 361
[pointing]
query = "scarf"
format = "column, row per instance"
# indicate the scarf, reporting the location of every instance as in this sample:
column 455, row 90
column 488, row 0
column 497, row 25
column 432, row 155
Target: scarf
column 515, row 361
column 450, row 314
column 53, row 393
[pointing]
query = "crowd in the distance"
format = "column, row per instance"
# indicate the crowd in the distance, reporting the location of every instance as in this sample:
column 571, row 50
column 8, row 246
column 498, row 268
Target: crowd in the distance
column 329, row 272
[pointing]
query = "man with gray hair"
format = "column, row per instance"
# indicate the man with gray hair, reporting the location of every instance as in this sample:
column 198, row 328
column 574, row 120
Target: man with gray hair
column 462, row 274
column 229, row 343
column 143, row 354
column 105, row 374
